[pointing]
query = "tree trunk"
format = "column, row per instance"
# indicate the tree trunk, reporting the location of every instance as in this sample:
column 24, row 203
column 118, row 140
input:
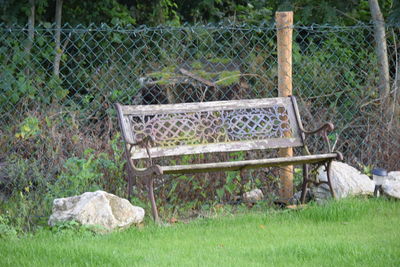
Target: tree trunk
column 381, row 50
column 31, row 36
column 58, row 51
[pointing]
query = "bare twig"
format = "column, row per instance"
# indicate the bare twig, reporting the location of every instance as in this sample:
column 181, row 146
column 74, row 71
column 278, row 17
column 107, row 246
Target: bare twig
column 194, row 76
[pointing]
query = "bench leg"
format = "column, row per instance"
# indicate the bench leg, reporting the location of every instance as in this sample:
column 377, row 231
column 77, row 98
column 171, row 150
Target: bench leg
column 130, row 184
column 130, row 173
column 305, row 184
column 329, row 176
column 150, row 188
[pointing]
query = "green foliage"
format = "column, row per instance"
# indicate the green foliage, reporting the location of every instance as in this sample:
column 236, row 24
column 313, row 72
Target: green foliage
column 79, row 175
column 20, row 208
column 74, row 228
column 394, row 13
column 31, row 177
column 112, row 166
column 58, row 129
column 67, row 225
column 6, row 229
column 164, row 76
column 169, row 14
column 224, row 78
column 16, row 84
column 214, row 11
column 366, row 169
column 176, row 12
column 28, row 128
column 316, row 71
column 298, row 178
column 217, row 60
column 227, row 78
column 197, row 65
column 86, row 173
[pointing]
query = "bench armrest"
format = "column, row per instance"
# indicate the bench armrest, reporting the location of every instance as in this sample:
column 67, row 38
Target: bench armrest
column 152, row 169
column 323, row 130
column 326, row 127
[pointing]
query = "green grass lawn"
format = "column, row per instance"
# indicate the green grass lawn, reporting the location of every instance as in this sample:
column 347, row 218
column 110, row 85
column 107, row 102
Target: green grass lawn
column 355, row 232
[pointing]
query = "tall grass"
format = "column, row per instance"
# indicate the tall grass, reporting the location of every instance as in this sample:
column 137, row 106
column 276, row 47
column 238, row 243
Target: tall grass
column 352, row 232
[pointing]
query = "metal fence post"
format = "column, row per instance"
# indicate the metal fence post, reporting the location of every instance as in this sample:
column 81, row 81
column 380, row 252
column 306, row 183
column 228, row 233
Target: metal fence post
column 284, row 25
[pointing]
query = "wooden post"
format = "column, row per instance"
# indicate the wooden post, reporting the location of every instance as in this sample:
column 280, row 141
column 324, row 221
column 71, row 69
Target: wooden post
column 284, row 25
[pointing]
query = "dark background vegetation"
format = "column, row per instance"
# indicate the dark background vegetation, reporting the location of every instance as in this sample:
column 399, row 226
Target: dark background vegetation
column 59, row 135
column 176, row 12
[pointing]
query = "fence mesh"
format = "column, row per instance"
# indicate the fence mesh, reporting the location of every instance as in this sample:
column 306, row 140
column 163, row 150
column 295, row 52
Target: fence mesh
column 335, row 77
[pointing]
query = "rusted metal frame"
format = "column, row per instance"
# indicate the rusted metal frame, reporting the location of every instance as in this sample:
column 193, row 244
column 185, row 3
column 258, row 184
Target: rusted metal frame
column 151, row 169
column 307, row 180
column 131, row 167
column 131, row 170
column 151, row 172
column 316, row 182
column 328, row 168
column 147, row 142
column 154, row 170
column 300, row 125
column 305, row 184
column 324, row 129
column 150, row 185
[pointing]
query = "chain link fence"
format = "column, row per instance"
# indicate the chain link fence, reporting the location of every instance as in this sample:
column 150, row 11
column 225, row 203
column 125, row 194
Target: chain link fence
column 59, row 132
column 56, row 104
column 335, row 76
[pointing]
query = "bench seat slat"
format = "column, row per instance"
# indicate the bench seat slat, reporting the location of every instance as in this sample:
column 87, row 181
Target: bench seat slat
column 273, row 143
column 246, row 164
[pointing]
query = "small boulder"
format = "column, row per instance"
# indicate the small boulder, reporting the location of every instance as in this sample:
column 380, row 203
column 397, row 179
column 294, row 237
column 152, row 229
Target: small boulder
column 395, row 176
column 96, row 208
column 391, row 188
column 253, row 196
column 346, row 181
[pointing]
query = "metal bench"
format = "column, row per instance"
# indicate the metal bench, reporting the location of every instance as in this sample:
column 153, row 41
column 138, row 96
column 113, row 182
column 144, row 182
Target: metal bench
column 154, row 131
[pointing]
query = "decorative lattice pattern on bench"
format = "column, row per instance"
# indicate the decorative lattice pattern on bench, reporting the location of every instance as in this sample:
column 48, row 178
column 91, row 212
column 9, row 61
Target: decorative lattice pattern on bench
column 207, row 127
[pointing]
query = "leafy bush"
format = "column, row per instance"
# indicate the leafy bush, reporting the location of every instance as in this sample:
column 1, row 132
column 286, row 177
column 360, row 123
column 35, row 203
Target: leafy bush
column 6, row 230
column 78, row 176
column 46, row 161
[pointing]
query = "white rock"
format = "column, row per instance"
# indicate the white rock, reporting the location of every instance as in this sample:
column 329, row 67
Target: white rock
column 394, row 176
column 253, row 196
column 346, row 181
column 391, row 188
column 96, row 208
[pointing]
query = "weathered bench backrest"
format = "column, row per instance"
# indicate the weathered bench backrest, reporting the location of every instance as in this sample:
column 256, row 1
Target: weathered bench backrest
column 221, row 126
